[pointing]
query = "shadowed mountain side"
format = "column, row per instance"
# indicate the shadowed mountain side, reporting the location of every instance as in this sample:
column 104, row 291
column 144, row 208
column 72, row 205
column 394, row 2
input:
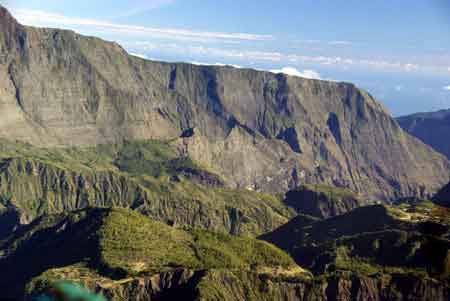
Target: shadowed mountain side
column 443, row 196
column 323, row 201
column 370, row 240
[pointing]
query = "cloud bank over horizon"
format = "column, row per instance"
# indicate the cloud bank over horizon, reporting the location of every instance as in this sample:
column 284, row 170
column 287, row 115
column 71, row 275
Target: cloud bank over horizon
column 145, row 38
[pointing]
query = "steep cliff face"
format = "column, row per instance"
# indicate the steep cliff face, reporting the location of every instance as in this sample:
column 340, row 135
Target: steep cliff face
column 431, row 128
column 259, row 130
column 338, row 287
column 231, row 285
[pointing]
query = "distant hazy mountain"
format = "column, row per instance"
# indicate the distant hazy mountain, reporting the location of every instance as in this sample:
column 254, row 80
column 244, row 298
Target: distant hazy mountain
column 432, row 128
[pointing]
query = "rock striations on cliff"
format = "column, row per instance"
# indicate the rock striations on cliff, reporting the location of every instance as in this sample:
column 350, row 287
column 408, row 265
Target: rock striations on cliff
column 259, row 130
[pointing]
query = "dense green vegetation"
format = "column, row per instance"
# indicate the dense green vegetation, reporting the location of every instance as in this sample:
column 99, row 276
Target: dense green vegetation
column 149, row 176
column 333, row 193
column 126, row 240
column 120, row 243
column 151, row 157
column 131, row 242
column 134, row 243
column 112, row 247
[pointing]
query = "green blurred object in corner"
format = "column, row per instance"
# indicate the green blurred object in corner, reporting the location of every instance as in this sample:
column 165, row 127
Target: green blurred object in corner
column 69, row 291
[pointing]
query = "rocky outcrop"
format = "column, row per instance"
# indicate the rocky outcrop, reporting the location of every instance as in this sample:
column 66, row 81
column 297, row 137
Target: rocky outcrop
column 218, row 285
column 339, row 287
column 258, row 130
column 431, row 128
column 323, row 201
column 175, row 285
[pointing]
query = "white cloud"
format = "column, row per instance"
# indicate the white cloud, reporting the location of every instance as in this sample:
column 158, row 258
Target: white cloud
column 42, row 18
column 386, row 65
column 331, row 43
column 204, row 51
column 215, row 64
column 295, row 72
column 447, row 88
column 411, row 67
column 199, row 63
column 142, row 33
column 286, row 70
column 142, row 56
column 398, row 88
column 142, row 7
column 339, row 43
column 274, row 57
column 309, row 41
column 230, row 65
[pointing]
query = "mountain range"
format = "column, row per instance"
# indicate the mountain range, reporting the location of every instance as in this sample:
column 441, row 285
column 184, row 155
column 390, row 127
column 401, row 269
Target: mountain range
column 259, row 130
column 147, row 180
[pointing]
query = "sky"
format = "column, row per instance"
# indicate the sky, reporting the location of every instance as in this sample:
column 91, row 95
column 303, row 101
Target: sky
column 397, row 50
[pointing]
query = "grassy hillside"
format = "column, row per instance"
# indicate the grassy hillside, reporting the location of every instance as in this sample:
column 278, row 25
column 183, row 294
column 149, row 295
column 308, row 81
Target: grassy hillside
column 128, row 239
column 151, row 177
column 118, row 244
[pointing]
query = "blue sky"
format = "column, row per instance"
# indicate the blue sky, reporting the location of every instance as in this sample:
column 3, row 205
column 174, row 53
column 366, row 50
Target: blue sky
column 397, row 50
